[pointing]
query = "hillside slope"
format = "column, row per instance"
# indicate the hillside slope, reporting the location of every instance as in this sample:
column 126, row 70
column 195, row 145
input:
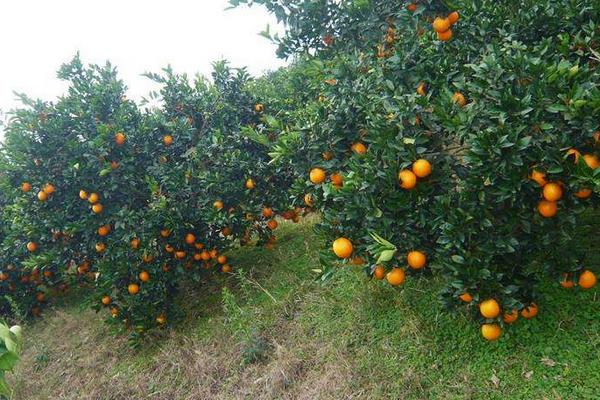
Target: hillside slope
column 276, row 333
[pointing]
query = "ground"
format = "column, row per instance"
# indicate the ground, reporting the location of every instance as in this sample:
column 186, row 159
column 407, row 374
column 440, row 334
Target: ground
column 273, row 331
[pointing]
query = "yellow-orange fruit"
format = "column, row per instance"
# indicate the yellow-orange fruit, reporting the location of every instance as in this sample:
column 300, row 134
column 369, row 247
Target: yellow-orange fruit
column 342, row 247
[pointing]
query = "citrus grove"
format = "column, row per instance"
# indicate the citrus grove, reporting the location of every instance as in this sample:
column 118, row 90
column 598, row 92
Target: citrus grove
column 457, row 139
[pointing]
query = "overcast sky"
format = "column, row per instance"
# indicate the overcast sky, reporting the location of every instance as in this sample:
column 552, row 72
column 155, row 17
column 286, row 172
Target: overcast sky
column 135, row 35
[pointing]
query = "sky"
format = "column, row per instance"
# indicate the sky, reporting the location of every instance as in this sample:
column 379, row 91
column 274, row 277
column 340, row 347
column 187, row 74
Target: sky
column 136, row 36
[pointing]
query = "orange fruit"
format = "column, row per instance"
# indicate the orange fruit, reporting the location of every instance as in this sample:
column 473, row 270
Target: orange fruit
column 337, row 180
column 106, row 300
column 547, row 209
column 226, row 231
column 453, row 17
column 114, row 311
column 135, row 243
column 31, row 246
column 575, row 154
column 165, row 232
column 213, row 253
column 584, row 193
column 42, row 196
column 459, row 99
column 317, row 175
column 97, row 208
column 587, row 279
column 226, row 268
column 466, row 297
column 114, row 164
column 144, row 276
column 416, row 259
column 530, row 311
column 205, row 255
column 422, row 89
column 567, row 281
column 147, row 258
column 412, row 7
column 26, row 187
column 259, row 108
column 272, row 224
column 491, row 332
column 222, row 259
column 161, row 319
column 168, row 140
column 379, row 272
column 308, row 200
column 407, row 178
column 40, row 297
column 120, row 139
column 249, row 184
column 510, row 317
column 441, row 24
column 197, row 256
column 83, row 194
column 169, row 248
column 444, row 36
column 93, row 198
column 104, row 230
column 100, row 247
column 179, row 254
column 267, row 212
column 552, row 192
column 218, row 204
column 359, row 148
column 396, row 276
column 342, row 247
column 592, row 161
column 421, row 168
column 199, row 246
column 48, row 189
column 190, row 238
column 539, row 177
column 489, row 308
column 133, row 288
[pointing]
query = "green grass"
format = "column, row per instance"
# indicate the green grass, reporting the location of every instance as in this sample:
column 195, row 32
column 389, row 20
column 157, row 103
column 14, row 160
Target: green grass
column 272, row 331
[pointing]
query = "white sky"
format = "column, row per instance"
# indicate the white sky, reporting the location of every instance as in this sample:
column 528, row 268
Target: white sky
column 136, row 36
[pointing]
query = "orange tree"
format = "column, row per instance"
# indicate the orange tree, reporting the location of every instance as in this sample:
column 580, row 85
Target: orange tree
column 502, row 103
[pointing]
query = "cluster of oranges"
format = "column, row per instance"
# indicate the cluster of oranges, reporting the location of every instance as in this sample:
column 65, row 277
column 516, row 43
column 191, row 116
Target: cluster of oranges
column 44, row 194
column 93, row 199
column 442, row 26
column 408, row 177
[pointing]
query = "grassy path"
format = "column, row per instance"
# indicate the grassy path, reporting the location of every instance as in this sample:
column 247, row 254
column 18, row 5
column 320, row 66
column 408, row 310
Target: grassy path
column 275, row 333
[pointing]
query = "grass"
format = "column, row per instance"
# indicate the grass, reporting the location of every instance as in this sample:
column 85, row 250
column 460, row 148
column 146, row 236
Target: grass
column 272, row 332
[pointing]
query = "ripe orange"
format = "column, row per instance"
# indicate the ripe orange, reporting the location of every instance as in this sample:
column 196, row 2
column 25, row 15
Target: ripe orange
column 104, row 230
column 421, row 168
column 396, row 276
column 133, row 288
column 168, row 140
column 42, row 196
column 267, row 212
column 575, row 154
column 190, row 238
column 342, row 247
column 259, row 108
column 489, row 308
column 199, row 246
column 106, row 300
column 197, row 256
column 205, row 255
column 510, row 317
column 161, row 319
column 114, row 312
column 218, row 204
column 169, row 248
column 547, row 209
column 359, row 148
column 249, row 184
column 584, row 193
column 308, row 200
column 83, row 194
column 552, row 192
column 26, row 187
column 213, row 253
column 179, row 254
column 222, row 259
column 466, row 297
column 412, row 7
column 587, row 279
column 165, row 232
column 459, row 99
column 317, row 175
column 48, row 189
column 441, row 24
column 422, row 89
column 226, row 231
column 408, row 180
column 416, row 259
column 120, row 139
column 100, row 247
column 337, row 179
column 144, row 276
column 539, row 177
column 491, row 332
column 40, row 297
column 31, row 246
column 445, row 36
column 226, row 268
column 592, row 161
column 97, row 208
column 135, row 243
column 272, row 224
column 530, row 311
column 567, row 281
column 93, row 198
column 379, row 272
column 453, row 17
